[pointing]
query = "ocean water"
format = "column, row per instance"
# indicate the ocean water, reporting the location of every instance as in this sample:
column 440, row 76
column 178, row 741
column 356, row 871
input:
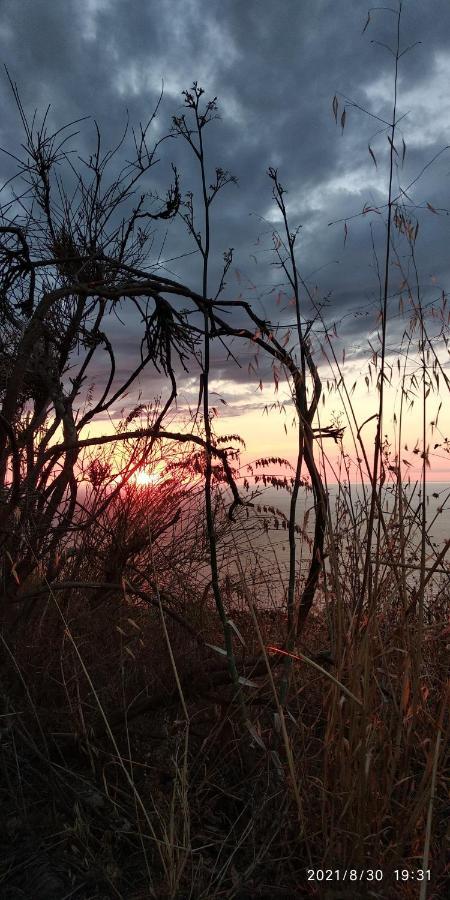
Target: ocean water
column 258, row 543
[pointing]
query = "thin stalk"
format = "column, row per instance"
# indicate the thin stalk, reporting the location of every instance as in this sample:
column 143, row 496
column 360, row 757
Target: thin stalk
column 292, row 275
column 212, row 542
column 306, row 413
column 376, row 485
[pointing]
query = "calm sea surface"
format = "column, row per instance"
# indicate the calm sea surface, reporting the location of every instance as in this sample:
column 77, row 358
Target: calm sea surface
column 259, row 537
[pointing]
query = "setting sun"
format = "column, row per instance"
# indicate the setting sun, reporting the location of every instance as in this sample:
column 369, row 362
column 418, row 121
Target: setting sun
column 143, row 478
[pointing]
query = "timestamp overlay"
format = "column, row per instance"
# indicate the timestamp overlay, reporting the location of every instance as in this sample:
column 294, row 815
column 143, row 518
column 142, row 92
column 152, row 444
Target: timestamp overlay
column 367, row 874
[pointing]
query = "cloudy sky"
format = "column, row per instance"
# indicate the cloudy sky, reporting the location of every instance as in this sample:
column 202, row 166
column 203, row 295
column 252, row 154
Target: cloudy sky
column 275, row 67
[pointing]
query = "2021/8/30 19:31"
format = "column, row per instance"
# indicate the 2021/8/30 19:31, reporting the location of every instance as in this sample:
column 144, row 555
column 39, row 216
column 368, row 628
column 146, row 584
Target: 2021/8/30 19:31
column 366, row 874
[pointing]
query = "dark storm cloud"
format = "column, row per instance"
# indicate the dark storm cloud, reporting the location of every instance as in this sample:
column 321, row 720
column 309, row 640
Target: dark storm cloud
column 275, row 68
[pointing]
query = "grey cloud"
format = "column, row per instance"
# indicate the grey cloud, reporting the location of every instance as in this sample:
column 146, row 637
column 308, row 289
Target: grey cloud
column 275, row 68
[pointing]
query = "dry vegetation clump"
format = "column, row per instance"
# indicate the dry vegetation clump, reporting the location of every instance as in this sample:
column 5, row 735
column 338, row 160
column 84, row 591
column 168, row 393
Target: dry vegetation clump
column 95, row 717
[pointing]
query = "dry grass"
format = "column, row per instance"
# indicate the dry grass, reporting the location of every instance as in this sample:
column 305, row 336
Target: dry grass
column 127, row 771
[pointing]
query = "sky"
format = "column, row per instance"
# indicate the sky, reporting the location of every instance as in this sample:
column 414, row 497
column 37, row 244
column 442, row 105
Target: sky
column 275, row 68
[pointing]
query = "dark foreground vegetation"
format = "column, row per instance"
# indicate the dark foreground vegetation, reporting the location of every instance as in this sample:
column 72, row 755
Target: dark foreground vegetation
column 164, row 733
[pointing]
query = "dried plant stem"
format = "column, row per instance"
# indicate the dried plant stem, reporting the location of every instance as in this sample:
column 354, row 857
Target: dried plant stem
column 194, row 138
column 280, row 711
column 426, row 848
column 376, row 481
column 166, row 633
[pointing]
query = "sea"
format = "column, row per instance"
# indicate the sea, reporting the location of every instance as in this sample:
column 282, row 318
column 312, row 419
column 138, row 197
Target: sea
column 257, row 545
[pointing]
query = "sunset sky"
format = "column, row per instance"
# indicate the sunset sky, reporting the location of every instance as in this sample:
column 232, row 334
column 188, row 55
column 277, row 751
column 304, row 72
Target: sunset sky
column 275, row 67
